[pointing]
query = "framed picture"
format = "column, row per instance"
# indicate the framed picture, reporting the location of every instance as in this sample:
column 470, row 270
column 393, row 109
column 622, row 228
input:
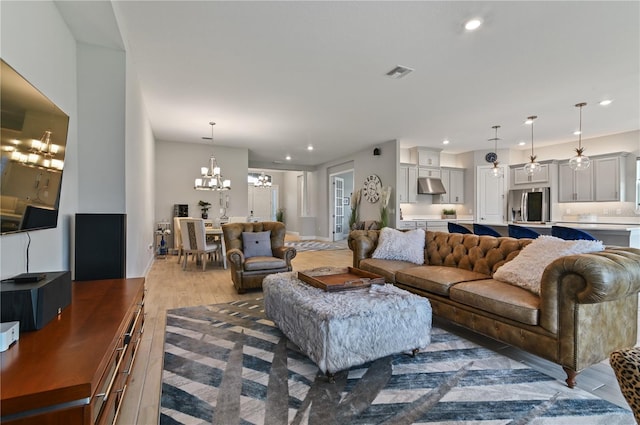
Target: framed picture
column 346, row 200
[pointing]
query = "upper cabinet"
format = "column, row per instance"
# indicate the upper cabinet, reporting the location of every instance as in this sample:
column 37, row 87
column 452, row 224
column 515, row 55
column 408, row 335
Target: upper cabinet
column 429, row 172
column 425, row 157
column 574, row 186
column 453, row 181
column 407, row 184
column 603, row 181
column 519, row 176
column 609, row 177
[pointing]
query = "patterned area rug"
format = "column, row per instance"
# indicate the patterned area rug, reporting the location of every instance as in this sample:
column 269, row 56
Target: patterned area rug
column 317, row 246
column 228, row 364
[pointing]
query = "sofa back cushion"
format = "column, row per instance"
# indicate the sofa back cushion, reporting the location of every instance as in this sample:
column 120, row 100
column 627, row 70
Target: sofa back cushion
column 481, row 254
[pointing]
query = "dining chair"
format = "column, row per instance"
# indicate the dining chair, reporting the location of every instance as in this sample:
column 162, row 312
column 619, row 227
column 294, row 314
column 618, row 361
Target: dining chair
column 481, row 229
column 520, row 232
column 456, row 228
column 571, row 234
column 194, row 241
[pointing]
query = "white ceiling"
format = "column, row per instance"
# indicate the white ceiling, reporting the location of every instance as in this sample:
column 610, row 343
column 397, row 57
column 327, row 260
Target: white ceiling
column 279, row 76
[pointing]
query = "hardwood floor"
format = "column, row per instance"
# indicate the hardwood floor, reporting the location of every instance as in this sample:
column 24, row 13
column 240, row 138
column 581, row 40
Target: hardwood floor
column 168, row 287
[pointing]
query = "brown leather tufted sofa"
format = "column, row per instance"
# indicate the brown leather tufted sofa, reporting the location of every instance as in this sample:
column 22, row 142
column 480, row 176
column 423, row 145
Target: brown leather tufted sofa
column 247, row 273
column 587, row 308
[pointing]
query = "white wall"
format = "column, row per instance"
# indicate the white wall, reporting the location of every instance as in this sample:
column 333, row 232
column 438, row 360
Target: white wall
column 109, row 153
column 364, row 164
column 101, row 129
column 140, row 179
column 36, row 42
column 178, row 165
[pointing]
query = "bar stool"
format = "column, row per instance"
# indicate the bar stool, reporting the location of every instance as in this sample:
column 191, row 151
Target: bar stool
column 456, row 228
column 520, row 232
column 571, row 234
column 481, row 229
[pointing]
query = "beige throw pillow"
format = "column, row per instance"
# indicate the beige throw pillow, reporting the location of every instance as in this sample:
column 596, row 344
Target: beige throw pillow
column 526, row 269
column 396, row 245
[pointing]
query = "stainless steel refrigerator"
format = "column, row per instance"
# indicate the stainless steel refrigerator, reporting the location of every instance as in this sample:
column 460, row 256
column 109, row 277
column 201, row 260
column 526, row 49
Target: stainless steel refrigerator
column 530, row 205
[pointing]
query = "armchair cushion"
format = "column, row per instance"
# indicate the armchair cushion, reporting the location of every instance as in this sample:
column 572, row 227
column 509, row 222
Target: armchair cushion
column 257, row 244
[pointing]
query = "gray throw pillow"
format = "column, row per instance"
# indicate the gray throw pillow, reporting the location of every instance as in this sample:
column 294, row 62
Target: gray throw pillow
column 257, row 244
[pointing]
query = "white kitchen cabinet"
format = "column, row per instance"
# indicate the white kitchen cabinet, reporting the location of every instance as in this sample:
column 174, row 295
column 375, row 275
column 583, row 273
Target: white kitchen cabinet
column 520, row 177
column 425, row 157
column 609, row 178
column 406, row 225
column 429, row 172
column 574, row 186
column 453, row 181
column 408, row 184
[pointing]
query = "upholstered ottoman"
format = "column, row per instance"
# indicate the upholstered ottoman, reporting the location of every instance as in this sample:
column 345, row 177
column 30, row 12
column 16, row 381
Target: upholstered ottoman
column 338, row 330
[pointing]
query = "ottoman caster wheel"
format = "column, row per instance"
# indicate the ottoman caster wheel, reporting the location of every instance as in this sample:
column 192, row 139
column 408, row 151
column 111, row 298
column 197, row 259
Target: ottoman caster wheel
column 331, row 377
column 415, row 352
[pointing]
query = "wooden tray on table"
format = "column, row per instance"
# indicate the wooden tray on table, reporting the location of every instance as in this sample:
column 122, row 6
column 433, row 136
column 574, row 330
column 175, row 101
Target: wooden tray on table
column 350, row 278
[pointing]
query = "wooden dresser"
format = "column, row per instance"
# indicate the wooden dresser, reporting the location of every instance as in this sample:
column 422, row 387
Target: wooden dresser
column 75, row 370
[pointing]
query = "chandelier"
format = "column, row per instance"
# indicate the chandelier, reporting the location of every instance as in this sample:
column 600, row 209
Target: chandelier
column 496, row 171
column 211, row 176
column 532, row 167
column 263, row 181
column 580, row 162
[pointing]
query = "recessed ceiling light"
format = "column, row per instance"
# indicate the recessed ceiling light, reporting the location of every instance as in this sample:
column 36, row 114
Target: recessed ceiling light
column 576, row 133
column 522, row 143
column 445, row 142
column 288, row 158
column 309, row 148
column 473, row 24
column 605, row 102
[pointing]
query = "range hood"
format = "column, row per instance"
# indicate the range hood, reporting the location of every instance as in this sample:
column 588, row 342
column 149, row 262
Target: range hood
column 430, row 186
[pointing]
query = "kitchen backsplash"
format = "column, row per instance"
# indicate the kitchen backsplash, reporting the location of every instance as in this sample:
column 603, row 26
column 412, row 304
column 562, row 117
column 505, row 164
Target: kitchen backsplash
column 613, row 212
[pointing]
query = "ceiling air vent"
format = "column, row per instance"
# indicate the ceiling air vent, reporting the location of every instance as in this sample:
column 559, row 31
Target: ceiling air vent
column 398, row 72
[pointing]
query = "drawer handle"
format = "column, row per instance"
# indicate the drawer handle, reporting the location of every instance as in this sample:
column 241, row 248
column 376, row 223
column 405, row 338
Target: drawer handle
column 135, row 323
column 133, row 358
column 105, row 395
column 115, row 417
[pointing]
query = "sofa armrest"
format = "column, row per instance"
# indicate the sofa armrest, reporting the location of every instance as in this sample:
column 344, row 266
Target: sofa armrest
column 591, row 278
column 236, row 258
column 362, row 243
column 287, row 253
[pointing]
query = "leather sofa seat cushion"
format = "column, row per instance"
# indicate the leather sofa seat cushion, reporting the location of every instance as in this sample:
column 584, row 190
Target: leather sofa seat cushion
column 264, row 263
column 436, row 279
column 499, row 298
column 385, row 268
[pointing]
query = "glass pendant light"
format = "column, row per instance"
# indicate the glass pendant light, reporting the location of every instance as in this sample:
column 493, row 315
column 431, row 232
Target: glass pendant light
column 580, row 162
column 532, row 167
column 496, row 171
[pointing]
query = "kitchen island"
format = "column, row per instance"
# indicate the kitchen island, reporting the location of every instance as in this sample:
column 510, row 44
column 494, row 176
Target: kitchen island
column 609, row 233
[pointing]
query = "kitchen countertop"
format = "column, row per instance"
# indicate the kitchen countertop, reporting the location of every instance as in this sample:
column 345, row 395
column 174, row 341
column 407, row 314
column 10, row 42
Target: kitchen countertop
column 576, row 224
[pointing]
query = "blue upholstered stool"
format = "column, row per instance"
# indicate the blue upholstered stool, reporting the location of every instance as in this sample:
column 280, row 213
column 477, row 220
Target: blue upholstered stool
column 520, row 232
column 456, row 228
column 570, row 234
column 481, row 229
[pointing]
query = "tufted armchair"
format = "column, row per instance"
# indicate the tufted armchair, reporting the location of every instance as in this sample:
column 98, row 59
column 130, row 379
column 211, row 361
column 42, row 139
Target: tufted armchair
column 247, row 270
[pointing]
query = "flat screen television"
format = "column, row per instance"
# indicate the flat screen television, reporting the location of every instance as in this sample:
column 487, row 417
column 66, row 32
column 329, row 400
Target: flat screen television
column 33, row 139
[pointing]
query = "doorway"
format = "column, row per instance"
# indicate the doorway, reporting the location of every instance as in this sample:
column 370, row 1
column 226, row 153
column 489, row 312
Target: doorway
column 339, row 204
column 490, row 203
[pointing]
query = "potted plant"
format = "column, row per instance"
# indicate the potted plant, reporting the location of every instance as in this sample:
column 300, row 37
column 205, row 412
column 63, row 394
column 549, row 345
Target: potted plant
column 280, row 215
column 448, row 213
column 204, row 207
